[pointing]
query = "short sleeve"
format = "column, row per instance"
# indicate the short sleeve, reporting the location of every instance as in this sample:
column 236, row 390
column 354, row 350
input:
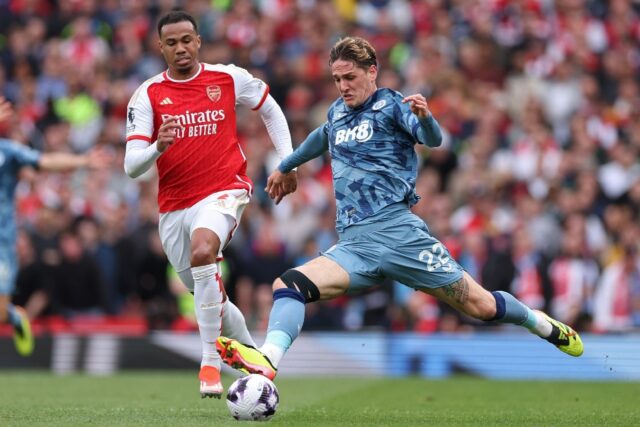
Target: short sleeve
column 19, row 155
column 250, row 91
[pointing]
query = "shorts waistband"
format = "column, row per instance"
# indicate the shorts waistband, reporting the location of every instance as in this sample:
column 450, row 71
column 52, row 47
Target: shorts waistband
column 398, row 213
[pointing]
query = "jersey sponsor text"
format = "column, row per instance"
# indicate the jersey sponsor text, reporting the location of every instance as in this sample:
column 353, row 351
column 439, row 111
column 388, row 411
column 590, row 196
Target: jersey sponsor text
column 197, row 123
column 360, row 133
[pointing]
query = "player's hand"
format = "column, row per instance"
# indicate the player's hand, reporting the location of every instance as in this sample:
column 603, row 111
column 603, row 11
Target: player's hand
column 290, row 182
column 99, row 158
column 280, row 184
column 418, row 105
column 5, row 109
column 167, row 133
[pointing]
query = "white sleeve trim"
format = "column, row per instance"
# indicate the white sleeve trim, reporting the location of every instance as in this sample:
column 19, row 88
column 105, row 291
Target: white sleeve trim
column 277, row 127
column 139, row 157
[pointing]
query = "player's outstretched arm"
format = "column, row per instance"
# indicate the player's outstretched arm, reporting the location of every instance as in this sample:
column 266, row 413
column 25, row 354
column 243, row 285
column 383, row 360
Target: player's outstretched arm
column 97, row 158
column 59, row 161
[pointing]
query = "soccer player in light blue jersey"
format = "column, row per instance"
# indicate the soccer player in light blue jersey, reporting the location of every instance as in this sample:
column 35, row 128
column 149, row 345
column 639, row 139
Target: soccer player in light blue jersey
column 370, row 133
column 13, row 157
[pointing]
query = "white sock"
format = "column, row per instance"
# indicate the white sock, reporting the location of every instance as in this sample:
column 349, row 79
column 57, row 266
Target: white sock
column 273, row 352
column 233, row 324
column 208, row 301
column 542, row 327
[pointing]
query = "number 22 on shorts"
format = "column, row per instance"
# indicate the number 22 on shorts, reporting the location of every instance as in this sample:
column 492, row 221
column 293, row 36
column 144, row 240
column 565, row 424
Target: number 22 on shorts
column 436, row 258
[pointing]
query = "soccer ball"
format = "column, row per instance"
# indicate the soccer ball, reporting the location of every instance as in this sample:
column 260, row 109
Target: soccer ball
column 252, row 398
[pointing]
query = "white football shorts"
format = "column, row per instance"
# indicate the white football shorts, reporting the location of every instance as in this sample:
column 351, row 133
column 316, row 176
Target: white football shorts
column 220, row 212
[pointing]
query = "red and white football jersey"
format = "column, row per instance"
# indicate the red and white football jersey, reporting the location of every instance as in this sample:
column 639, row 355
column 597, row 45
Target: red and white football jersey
column 206, row 156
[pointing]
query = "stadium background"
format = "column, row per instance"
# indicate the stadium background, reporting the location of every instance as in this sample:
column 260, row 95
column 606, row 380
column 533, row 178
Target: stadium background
column 536, row 190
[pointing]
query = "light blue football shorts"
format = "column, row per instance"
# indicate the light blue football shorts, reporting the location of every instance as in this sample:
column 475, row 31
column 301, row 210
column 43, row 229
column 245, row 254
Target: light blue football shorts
column 400, row 249
column 8, row 271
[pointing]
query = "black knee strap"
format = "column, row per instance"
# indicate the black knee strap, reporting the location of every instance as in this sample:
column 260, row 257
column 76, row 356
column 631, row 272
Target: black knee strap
column 298, row 281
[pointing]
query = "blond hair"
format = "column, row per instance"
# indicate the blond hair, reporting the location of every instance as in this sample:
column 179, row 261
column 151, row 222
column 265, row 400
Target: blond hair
column 354, row 49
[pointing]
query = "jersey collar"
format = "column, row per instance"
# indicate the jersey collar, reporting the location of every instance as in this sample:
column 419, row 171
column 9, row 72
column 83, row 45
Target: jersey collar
column 166, row 75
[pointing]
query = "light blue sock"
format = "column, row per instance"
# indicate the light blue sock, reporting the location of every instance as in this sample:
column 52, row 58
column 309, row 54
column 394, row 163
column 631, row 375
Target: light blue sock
column 13, row 315
column 286, row 318
column 510, row 310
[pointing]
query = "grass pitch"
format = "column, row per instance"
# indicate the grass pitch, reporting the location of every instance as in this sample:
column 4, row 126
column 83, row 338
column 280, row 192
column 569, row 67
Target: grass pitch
column 162, row 398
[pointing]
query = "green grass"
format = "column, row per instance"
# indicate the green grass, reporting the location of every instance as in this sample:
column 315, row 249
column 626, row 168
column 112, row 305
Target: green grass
column 171, row 399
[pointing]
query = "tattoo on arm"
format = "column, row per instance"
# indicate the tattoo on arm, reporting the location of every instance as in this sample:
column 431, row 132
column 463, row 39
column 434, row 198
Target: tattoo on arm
column 459, row 291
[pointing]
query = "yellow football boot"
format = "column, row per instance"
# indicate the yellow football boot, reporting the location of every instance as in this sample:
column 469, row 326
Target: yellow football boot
column 22, row 336
column 244, row 358
column 564, row 337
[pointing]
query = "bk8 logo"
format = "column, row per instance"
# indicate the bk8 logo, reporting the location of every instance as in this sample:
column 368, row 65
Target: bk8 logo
column 360, row 133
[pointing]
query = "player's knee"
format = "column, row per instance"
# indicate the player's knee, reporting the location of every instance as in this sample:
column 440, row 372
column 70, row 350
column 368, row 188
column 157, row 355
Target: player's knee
column 297, row 280
column 277, row 284
column 203, row 253
column 204, row 247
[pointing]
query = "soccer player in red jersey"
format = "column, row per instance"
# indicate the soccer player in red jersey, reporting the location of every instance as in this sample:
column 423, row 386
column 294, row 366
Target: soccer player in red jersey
column 184, row 120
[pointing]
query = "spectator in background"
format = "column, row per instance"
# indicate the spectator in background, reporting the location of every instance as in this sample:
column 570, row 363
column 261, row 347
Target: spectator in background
column 152, row 286
column 263, row 258
column 573, row 275
column 616, row 299
column 34, row 285
column 79, row 288
column 527, row 284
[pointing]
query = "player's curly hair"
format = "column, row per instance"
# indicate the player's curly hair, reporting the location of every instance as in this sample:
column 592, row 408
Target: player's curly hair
column 355, row 49
column 174, row 17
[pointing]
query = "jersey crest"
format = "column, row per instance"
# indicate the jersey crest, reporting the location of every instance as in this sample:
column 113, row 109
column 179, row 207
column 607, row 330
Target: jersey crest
column 378, row 105
column 214, row 93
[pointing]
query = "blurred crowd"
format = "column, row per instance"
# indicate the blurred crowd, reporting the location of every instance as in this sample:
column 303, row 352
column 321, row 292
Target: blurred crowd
column 536, row 189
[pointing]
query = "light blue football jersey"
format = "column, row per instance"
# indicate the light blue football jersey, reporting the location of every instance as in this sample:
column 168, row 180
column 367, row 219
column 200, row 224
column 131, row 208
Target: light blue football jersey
column 373, row 158
column 13, row 156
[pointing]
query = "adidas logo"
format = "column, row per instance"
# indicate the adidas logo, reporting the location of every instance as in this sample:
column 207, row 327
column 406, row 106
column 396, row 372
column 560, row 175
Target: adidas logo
column 166, row 101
